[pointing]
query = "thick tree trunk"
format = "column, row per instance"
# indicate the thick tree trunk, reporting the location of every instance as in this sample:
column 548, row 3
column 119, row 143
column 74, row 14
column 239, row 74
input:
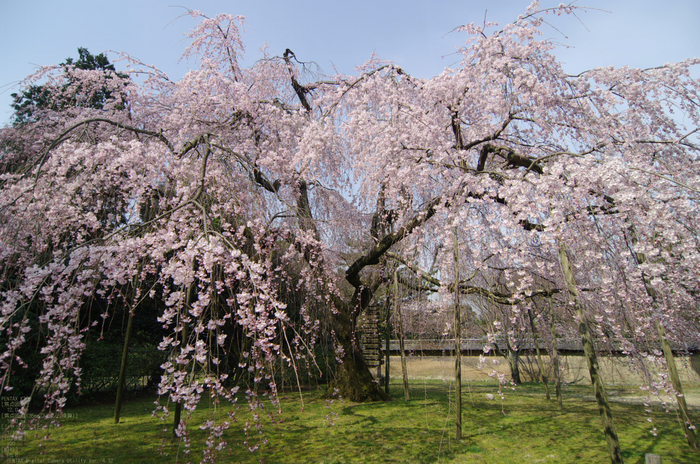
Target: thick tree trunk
column 354, row 380
column 589, row 351
column 514, row 361
column 513, row 358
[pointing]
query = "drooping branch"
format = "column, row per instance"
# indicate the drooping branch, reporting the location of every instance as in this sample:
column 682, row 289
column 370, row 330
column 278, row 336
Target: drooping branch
column 63, row 136
column 514, row 158
column 688, row 428
column 511, row 157
column 489, row 138
column 299, row 89
column 591, row 356
column 264, row 182
column 668, row 178
column 193, row 199
column 158, row 135
column 432, row 284
column 352, row 274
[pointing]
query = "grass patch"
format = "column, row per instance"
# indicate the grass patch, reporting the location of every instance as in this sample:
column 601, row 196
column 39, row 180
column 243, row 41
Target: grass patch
column 523, row 428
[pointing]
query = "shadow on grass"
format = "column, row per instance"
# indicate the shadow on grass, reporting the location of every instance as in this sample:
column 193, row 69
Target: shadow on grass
column 523, row 427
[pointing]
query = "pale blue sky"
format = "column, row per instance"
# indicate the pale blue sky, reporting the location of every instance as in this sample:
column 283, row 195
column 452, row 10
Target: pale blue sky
column 340, row 34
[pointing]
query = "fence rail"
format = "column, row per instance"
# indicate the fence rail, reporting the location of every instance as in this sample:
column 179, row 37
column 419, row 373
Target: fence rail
column 474, row 345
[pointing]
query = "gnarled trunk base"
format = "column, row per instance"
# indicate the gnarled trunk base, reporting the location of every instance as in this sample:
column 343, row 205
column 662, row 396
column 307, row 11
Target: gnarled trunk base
column 354, row 380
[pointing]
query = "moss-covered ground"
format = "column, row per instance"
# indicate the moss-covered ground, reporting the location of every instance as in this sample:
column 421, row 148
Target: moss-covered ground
column 521, row 428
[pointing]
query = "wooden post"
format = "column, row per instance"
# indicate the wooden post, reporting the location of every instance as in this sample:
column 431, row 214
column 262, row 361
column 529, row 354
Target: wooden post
column 191, row 291
column 458, row 344
column 178, row 405
column 555, row 358
column 676, row 381
column 122, row 369
column 652, row 459
column 668, row 354
column 404, row 368
column 387, row 352
column 540, row 364
column 589, row 351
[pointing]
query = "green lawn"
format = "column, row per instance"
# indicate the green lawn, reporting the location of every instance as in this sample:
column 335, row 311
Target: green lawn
column 523, row 428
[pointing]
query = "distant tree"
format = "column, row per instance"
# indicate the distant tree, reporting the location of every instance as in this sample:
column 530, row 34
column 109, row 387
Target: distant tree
column 29, row 104
column 90, row 82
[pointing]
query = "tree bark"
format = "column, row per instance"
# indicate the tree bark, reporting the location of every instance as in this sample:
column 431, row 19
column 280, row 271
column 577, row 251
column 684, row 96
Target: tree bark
column 668, row 354
column 191, row 291
column 540, row 364
column 678, row 386
column 589, row 351
column 513, row 361
column 513, row 358
column 354, row 380
column 555, row 358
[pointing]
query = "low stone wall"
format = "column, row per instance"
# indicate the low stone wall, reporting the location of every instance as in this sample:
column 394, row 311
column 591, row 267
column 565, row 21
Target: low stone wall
column 615, row 370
